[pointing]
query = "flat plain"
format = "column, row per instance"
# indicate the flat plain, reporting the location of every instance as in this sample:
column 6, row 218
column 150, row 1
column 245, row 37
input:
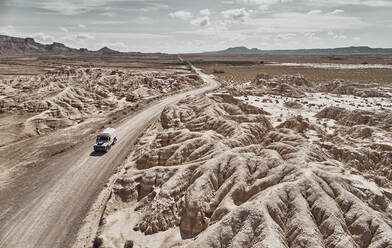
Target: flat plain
column 246, row 68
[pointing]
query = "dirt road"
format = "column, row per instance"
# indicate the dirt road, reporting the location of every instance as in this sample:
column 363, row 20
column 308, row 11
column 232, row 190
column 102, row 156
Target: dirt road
column 51, row 214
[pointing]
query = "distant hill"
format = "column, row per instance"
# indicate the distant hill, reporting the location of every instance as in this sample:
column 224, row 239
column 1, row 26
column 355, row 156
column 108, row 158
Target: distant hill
column 27, row 46
column 361, row 50
column 13, row 46
column 108, row 51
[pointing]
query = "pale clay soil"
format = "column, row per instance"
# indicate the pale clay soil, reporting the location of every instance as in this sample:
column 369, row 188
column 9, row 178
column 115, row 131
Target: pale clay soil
column 276, row 162
column 70, row 96
column 44, row 115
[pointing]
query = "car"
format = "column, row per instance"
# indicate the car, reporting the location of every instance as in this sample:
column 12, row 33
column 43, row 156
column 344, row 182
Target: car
column 105, row 140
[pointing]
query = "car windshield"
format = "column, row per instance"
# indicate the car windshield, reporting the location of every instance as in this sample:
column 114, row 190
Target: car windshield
column 103, row 138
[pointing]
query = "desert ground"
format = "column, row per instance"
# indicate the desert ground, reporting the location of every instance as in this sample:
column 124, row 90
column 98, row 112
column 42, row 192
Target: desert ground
column 50, row 114
column 241, row 69
column 267, row 160
column 287, row 152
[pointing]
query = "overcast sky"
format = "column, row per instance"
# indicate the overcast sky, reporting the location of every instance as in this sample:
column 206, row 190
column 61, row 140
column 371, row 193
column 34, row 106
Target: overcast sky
column 176, row 26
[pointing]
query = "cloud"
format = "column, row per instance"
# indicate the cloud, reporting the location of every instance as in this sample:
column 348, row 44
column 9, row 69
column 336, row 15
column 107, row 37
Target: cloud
column 77, row 7
column 144, row 20
column 376, row 3
column 152, row 6
column 107, row 22
column 119, row 46
column 262, row 4
column 305, row 23
column 108, row 14
column 205, row 12
column 8, row 30
column 70, row 7
column 43, row 38
column 315, row 12
column 39, row 37
column 335, row 12
column 182, row 15
column 84, row 36
column 201, row 22
column 340, row 37
column 65, row 30
column 367, row 3
column 286, row 36
column 337, row 36
column 217, row 23
column 236, row 14
column 312, row 37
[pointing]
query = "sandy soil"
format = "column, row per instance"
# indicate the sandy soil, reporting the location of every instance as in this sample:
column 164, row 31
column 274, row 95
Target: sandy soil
column 277, row 162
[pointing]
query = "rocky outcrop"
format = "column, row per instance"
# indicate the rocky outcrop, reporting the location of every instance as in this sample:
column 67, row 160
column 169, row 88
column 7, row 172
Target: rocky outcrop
column 357, row 117
column 107, row 51
column 286, row 85
column 12, row 46
column 343, row 87
column 24, row 46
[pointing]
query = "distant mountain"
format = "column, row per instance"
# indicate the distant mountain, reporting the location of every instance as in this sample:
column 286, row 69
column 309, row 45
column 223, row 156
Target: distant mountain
column 239, row 51
column 107, row 51
column 13, row 46
column 329, row 51
column 23, row 46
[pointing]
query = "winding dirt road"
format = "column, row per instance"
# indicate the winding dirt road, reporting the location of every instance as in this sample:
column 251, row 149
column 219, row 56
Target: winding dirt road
column 51, row 214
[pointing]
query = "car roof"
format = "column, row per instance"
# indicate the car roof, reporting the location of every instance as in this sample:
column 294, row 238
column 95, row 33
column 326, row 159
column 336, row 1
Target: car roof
column 108, row 131
column 103, row 135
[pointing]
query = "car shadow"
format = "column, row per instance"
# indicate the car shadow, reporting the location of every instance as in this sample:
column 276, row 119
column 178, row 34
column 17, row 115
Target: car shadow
column 96, row 154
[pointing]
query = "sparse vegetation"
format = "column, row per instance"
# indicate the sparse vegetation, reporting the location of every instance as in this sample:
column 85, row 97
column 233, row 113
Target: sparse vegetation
column 247, row 68
column 218, row 71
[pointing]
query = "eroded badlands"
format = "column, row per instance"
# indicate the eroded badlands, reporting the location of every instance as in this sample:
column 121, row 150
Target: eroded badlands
column 277, row 162
column 71, row 95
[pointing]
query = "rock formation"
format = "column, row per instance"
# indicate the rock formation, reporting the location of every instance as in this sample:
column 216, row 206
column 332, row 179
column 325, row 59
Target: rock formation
column 14, row 46
column 70, row 95
column 217, row 171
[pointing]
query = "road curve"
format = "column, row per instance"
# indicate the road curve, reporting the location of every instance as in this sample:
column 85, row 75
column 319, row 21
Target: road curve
column 51, row 215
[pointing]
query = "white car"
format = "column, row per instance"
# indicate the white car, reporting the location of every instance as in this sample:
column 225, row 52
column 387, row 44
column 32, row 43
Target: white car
column 105, row 140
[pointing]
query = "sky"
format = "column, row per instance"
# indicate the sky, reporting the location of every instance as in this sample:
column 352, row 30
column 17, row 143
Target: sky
column 182, row 26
